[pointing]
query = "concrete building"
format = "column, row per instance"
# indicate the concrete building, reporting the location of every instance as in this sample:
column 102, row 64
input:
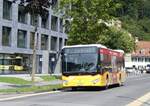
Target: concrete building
column 140, row 58
column 17, row 37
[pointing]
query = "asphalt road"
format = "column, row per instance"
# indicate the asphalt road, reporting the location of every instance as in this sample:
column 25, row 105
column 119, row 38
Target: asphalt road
column 134, row 87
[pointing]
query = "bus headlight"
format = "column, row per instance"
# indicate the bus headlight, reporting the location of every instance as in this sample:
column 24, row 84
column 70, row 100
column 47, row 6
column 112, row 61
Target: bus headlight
column 96, row 81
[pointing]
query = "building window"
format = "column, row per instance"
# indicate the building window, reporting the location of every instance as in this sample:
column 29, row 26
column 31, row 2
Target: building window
column 134, row 59
column 7, row 10
column 6, row 37
column 54, row 43
column 140, row 59
column 146, row 59
column 32, row 34
column 22, row 16
column 60, row 43
column 22, row 39
column 34, row 20
column 44, row 42
column 61, row 25
column 54, row 23
column 44, row 22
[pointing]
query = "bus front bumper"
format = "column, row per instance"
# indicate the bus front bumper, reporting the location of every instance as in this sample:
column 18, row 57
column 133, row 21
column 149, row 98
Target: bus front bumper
column 82, row 81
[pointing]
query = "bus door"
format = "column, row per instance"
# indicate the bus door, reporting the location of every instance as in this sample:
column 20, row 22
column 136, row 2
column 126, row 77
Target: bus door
column 114, row 69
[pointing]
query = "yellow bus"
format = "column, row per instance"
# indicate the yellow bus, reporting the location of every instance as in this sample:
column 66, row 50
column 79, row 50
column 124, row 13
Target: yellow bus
column 92, row 65
column 12, row 64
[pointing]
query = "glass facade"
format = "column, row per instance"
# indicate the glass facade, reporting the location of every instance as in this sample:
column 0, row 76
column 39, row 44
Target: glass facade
column 7, row 10
column 60, row 43
column 18, row 63
column 54, row 43
column 34, row 20
column 22, row 39
column 22, row 16
column 54, row 23
column 6, row 36
column 45, row 22
column 44, row 42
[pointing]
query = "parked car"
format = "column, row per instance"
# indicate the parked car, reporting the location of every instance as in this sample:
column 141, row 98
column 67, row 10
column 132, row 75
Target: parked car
column 148, row 70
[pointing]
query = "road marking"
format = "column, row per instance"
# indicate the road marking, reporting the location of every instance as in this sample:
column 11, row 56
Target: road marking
column 140, row 100
column 28, row 95
column 137, row 78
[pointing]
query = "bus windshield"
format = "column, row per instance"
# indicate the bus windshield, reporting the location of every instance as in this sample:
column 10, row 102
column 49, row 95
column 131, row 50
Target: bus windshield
column 79, row 60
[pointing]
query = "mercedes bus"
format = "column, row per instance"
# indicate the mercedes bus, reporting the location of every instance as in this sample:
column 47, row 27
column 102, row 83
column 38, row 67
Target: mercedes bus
column 92, row 65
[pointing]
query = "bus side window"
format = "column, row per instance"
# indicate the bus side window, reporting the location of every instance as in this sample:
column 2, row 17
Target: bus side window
column 101, row 62
column 105, row 62
column 113, row 62
column 101, row 57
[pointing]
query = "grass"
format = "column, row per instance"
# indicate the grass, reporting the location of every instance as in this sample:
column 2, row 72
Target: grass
column 26, row 86
column 49, row 78
column 32, row 89
column 14, row 80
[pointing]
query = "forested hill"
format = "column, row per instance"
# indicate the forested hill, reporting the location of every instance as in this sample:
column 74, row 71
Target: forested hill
column 135, row 17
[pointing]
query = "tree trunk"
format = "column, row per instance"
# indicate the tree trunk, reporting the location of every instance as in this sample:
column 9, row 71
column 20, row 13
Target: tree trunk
column 34, row 57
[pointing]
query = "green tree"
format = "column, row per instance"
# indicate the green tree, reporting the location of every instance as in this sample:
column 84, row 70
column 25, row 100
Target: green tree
column 36, row 8
column 135, row 15
column 119, row 39
column 85, row 16
column 89, row 19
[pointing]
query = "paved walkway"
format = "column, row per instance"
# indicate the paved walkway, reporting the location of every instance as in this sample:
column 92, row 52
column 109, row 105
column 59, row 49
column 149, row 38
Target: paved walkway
column 5, row 85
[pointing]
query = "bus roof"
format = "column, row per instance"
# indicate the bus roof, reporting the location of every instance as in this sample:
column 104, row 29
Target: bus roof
column 121, row 51
column 88, row 45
